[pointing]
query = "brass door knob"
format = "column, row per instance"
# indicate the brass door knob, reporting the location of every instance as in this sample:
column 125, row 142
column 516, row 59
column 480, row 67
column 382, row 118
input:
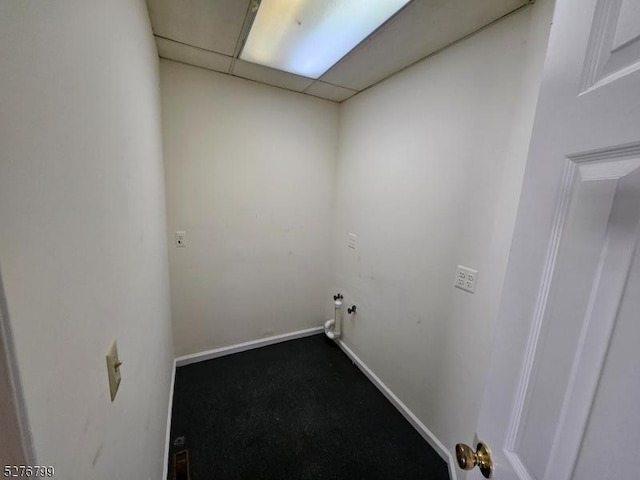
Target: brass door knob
column 468, row 459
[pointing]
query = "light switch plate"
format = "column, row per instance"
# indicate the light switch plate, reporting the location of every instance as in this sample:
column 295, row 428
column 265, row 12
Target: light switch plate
column 466, row 279
column 113, row 369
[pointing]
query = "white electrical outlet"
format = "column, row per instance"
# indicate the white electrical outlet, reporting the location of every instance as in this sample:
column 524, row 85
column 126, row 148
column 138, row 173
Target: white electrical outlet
column 466, row 278
column 181, row 239
column 352, row 241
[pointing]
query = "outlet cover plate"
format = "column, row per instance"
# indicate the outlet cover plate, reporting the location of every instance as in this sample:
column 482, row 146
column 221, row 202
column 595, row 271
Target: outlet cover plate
column 351, row 243
column 466, row 278
column 113, row 369
column 181, row 238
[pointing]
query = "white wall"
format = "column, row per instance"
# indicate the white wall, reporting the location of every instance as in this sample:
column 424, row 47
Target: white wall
column 430, row 168
column 82, row 231
column 250, row 173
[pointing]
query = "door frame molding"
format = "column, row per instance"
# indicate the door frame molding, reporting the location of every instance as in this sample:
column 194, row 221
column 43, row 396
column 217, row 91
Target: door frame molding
column 7, row 349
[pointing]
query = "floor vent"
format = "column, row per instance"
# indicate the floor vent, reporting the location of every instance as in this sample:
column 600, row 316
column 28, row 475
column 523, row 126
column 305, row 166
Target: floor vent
column 181, row 465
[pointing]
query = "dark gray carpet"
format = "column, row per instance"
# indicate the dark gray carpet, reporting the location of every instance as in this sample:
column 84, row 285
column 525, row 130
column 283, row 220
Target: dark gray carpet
column 296, row 410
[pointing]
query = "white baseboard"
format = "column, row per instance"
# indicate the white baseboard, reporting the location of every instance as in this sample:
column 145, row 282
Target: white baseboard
column 165, row 471
column 241, row 347
column 430, row 438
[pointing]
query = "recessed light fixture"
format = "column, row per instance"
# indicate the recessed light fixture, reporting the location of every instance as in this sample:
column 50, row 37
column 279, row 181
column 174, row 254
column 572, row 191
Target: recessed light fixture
column 307, row 37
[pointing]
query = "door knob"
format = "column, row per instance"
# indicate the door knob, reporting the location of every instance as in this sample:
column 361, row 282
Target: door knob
column 467, row 458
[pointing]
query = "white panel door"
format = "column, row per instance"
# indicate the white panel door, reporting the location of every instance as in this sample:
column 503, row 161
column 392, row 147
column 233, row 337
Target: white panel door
column 561, row 401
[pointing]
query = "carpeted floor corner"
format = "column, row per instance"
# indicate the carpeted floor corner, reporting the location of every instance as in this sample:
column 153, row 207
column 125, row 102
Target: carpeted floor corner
column 296, row 410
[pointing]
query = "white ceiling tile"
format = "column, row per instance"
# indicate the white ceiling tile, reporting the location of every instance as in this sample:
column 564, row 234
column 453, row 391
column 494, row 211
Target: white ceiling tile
column 423, row 27
column 330, row 92
column 210, row 24
column 270, row 76
column 420, row 29
column 193, row 55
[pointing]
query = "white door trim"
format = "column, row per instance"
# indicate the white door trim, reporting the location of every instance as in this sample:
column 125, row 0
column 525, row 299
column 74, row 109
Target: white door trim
column 7, row 349
column 167, row 440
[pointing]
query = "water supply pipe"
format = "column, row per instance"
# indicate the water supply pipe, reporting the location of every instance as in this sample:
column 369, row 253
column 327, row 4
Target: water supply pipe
column 332, row 327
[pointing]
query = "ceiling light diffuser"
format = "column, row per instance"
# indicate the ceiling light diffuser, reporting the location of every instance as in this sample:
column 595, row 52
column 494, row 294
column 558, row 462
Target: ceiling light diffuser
column 307, row 37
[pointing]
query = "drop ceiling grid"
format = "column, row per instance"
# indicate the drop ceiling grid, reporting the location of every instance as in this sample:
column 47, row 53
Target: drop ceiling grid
column 423, row 28
column 418, row 30
column 210, row 24
column 270, row 76
column 328, row 91
column 191, row 55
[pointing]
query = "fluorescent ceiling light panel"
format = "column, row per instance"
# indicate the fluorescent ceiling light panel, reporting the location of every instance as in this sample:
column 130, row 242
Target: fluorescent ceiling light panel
column 307, row 37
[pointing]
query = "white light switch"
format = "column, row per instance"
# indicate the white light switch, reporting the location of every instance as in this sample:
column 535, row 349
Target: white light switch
column 351, row 243
column 466, row 278
column 113, row 369
column 181, row 239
